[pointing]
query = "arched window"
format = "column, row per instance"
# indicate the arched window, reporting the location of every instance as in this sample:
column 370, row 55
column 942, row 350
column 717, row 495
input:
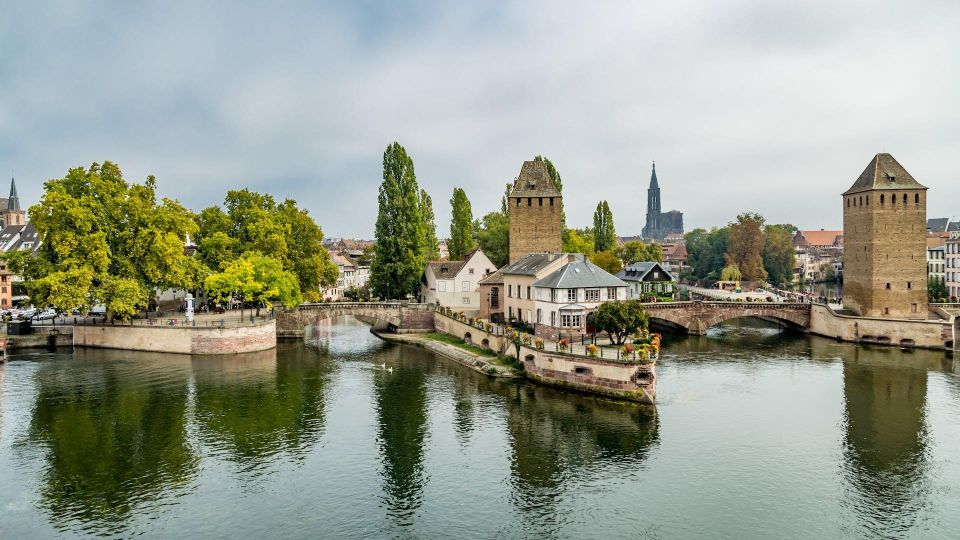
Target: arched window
column 868, row 200
column 861, row 200
column 904, row 199
column 848, row 203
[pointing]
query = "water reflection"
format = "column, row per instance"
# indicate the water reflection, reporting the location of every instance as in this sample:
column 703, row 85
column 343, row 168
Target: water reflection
column 886, row 459
column 111, row 429
column 252, row 407
column 401, row 407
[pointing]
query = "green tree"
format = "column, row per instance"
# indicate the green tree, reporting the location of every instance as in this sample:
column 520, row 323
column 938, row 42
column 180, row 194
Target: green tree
column 937, row 289
column 619, row 319
column 731, row 272
column 745, row 246
column 608, row 261
column 706, row 252
column 305, row 256
column 106, row 241
column 461, row 226
column 779, row 256
column 578, row 241
column 399, row 256
column 828, row 272
column 636, row 251
column 604, row 234
column 255, row 277
column 431, row 249
column 493, row 236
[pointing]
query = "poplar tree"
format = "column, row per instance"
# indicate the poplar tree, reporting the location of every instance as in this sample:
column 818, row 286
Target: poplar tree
column 604, row 234
column 462, row 238
column 431, row 250
column 399, row 257
column 557, row 181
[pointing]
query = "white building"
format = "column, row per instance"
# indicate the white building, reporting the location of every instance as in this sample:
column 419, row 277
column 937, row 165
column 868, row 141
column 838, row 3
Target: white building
column 936, row 262
column 567, row 295
column 952, row 266
column 647, row 278
column 352, row 275
column 456, row 284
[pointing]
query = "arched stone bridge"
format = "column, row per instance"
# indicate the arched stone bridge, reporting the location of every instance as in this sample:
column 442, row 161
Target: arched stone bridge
column 697, row 316
column 397, row 316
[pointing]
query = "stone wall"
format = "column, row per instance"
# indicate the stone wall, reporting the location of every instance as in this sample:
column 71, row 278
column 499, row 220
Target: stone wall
column 400, row 317
column 459, row 329
column 696, row 317
column 885, row 254
column 183, row 339
column 927, row 334
column 620, row 379
column 535, row 225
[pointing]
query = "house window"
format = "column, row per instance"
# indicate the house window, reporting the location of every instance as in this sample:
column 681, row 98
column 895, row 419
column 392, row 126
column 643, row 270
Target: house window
column 509, row 291
column 528, row 293
column 510, row 312
column 494, row 297
column 592, row 295
column 539, row 316
column 471, row 271
column 611, row 293
column 442, row 286
column 571, row 295
column 466, row 300
column 465, row 286
column 553, row 316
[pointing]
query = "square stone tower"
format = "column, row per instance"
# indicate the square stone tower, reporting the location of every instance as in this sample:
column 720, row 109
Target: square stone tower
column 884, row 243
column 535, row 208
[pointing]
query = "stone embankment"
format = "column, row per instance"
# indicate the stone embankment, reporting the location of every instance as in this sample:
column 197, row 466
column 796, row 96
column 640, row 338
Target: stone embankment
column 476, row 362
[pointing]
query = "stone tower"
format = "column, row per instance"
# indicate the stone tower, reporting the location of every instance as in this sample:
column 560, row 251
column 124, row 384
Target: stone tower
column 884, row 243
column 652, row 229
column 535, row 208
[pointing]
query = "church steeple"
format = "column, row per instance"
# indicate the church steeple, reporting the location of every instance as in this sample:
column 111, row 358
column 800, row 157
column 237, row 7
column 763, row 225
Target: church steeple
column 653, row 177
column 13, row 202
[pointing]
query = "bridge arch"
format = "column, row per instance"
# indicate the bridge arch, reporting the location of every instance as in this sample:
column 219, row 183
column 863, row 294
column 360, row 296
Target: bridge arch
column 697, row 317
column 394, row 316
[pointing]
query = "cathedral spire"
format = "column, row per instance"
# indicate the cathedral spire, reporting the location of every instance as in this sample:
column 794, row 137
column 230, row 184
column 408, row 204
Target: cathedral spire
column 13, row 202
column 653, row 177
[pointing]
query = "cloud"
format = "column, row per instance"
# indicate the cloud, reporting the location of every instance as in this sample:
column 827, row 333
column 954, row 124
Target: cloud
column 744, row 105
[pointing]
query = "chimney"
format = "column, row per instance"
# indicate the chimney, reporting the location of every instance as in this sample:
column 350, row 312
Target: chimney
column 573, row 258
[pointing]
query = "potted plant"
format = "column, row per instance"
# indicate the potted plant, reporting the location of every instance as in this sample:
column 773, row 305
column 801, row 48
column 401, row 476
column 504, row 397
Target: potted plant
column 526, row 339
column 538, row 343
column 592, row 350
column 563, row 344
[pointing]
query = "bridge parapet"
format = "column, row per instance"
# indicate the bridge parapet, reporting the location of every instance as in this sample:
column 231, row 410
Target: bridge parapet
column 697, row 316
column 398, row 316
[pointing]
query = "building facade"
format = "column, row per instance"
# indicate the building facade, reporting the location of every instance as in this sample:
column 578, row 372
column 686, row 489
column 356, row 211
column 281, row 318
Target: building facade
column 564, row 297
column 884, row 228
column 351, row 276
column 646, row 279
column 456, row 284
column 660, row 224
column 952, row 265
column 535, row 208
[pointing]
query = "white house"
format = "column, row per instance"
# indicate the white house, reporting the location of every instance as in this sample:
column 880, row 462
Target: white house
column 567, row 295
column 456, row 284
column 647, row 278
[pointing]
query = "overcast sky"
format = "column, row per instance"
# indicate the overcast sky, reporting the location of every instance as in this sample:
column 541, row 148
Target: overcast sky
column 744, row 105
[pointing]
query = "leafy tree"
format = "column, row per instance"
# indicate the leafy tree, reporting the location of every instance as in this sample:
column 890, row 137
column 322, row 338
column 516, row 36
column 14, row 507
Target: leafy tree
column 106, row 241
column 604, row 235
column 779, row 256
column 828, row 272
column 731, row 273
column 706, row 252
column 745, row 246
column 636, row 251
column 431, row 249
column 578, row 241
column 493, row 236
column 461, row 226
column 367, row 257
column 255, row 277
column 306, row 257
column 937, row 289
column 399, row 256
column 619, row 319
column 608, row 261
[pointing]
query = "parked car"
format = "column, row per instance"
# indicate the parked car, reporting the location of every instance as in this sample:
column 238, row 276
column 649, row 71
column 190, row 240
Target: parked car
column 28, row 313
column 46, row 314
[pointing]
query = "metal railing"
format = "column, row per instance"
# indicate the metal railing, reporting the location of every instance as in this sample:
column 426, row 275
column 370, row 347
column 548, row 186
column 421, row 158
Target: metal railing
column 205, row 321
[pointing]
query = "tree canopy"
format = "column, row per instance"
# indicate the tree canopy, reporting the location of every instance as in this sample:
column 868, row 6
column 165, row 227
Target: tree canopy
column 745, row 246
column 705, row 252
column 608, row 261
column 106, row 241
column 557, row 181
column 431, row 247
column 461, row 226
column 255, row 277
column 578, row 241
column 604, row 235
column 493, row 236
column 779, row 256
column 636, row 251
column 619, row 319
column 400, row 254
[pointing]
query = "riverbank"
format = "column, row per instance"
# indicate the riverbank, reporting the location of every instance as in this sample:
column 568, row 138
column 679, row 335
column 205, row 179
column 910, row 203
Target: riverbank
column 477, row 362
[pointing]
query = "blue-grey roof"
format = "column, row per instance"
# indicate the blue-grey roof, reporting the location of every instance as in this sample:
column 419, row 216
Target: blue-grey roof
column 577, row 274
column 639, row 270
column 954, row 226
column 532, row 263
column 937, row 224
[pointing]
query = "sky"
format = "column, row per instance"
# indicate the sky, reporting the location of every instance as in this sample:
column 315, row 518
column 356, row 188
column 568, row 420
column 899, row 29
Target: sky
column 762, row 106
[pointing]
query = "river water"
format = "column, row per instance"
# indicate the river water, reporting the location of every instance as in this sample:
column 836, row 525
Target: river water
column 756, row 435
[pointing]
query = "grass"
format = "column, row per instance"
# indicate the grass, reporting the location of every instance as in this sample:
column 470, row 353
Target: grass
column 451, row 340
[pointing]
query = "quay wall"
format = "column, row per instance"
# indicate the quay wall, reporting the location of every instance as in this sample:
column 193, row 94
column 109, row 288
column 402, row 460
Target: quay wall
column 184, row 339
column 595, row 375
column 897, row 332
column 448, row 325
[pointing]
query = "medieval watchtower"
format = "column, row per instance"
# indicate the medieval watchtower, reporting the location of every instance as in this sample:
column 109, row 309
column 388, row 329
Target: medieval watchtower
column 535, row 207
column 884, row 243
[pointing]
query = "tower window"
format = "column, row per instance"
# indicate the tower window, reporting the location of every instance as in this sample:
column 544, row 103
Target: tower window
column 848, row 203
column 888, row 286
column 881, row 200
column 909, row 285
column 518, row 201
column 861, row 200
column 868, row 200
column 893, row 200
column 904, row 199
column 916, row 199
column 551, row 201
column 541, row 201
column 529, row 201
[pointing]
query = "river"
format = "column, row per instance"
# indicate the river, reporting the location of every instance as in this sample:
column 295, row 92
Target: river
column 756, row 435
